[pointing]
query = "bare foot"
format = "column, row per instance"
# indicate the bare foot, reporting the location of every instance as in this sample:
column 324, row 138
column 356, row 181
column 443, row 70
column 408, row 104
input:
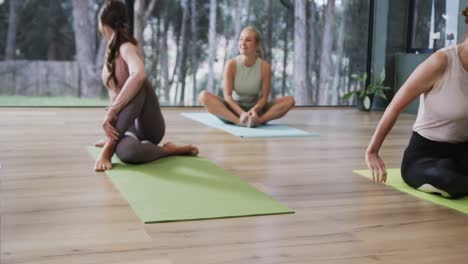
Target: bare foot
column 171, row 149
column 100, row 143
column 103, row 162
column 253, row 121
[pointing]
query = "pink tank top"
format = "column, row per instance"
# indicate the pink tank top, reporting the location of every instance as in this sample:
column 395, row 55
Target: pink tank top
column 121, row 74
column 127, row 87
column 443, row 111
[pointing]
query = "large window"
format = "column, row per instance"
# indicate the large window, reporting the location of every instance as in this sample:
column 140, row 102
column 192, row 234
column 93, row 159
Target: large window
column 39, row 62
column 313, row 46
column 433, row 24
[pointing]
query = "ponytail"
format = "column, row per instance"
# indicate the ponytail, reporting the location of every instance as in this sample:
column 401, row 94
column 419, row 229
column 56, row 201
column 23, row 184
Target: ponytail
column 260, row 51
column 114, row 14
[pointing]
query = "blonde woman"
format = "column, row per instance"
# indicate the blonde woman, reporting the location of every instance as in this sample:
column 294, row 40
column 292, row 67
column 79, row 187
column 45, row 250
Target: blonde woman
column 247, row 85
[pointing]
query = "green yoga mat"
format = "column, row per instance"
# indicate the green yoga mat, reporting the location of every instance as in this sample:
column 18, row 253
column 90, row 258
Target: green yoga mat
column 187, row 188
column 268, row 130
column 394, row 180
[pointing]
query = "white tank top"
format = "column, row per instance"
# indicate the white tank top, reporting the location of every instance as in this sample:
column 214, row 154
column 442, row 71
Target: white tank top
column 443, row 111
column 247, row 83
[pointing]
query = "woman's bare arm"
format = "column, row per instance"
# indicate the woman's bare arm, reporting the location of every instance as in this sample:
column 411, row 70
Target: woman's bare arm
column 229, row 75
column 424, row 77
column 137, row 75
column 266, row 87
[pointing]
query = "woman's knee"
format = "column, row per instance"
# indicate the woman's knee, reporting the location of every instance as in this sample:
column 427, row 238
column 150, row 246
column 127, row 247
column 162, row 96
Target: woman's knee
column 129, row 156
column 204, row 97
column 290, row 101
column 128, row 152
column 285, row 103
column 438, row 173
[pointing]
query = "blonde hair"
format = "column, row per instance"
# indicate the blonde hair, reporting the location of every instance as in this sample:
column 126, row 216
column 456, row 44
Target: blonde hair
column 258, row 39
column 465, row 14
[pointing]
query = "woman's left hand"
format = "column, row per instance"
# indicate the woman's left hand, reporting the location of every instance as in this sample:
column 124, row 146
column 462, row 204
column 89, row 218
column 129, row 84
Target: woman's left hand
column 252, row 113
column 109, row 128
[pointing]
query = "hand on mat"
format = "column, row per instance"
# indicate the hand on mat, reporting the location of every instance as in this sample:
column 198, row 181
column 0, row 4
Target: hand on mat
column 100, row 143
column 109, row 129
column 102, row 164
column 377, row 167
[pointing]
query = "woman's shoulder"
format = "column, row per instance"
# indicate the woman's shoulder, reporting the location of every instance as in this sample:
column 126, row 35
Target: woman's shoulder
column 230, row 67
column 231, row 63
column 129, row 48
column 442, row 55
column 265, row 65
column 438, row 61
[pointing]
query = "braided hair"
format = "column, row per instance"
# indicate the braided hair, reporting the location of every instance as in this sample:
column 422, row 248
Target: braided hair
column 114, row 14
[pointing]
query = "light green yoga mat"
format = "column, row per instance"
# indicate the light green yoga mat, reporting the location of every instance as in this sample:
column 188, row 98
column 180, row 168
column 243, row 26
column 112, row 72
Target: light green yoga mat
column 187, row 188
column 394, row 180
column 268, row 130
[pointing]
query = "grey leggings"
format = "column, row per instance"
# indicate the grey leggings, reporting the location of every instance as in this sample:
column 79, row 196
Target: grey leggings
column 143, row 118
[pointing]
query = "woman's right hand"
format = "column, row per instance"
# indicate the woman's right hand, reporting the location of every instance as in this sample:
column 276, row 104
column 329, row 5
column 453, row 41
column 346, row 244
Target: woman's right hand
column 377, row 167
column 109, row 128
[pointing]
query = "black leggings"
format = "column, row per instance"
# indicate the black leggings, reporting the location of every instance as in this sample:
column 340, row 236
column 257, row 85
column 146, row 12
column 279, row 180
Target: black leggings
column 143, row 118
column 440, row 164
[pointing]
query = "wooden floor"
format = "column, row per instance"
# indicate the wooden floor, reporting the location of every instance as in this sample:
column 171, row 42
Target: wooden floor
column 55, row 209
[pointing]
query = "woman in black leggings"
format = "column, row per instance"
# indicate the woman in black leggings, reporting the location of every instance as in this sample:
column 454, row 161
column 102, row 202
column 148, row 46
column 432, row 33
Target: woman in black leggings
column 436, row 159
column 134, row 125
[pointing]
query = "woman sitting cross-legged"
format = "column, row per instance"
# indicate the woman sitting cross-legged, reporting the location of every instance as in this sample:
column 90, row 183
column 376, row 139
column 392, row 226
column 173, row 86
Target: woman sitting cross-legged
column 247, row 84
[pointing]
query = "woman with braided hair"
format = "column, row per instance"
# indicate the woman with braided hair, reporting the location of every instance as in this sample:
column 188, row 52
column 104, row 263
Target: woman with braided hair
column 436, row 158
column 134, row 124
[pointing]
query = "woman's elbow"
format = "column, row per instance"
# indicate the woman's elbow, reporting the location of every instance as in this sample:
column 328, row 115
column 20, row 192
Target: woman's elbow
column 228, row 99
column 141, row 76
column 227, row 96
column 394, row 109
column 138, row 76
